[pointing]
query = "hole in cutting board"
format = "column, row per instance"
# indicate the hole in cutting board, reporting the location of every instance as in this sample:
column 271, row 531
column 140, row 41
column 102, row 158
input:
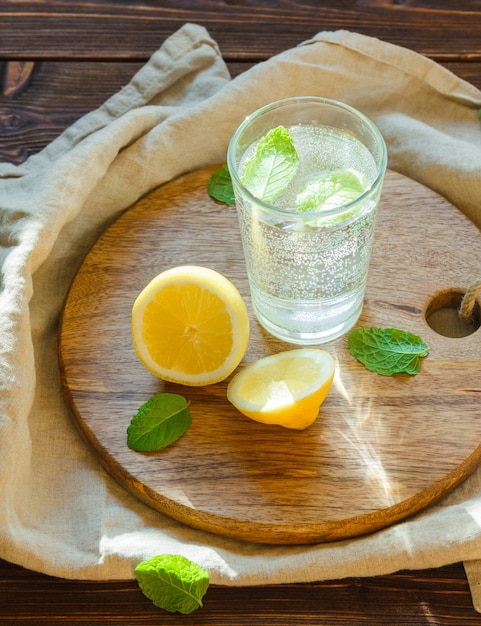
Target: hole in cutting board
column 442, row 315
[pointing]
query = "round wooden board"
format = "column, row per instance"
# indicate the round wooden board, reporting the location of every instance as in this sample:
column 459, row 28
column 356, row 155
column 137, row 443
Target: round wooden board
column 382, row 448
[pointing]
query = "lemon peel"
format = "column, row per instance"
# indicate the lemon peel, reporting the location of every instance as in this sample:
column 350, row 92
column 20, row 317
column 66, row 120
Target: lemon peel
column 286, row 388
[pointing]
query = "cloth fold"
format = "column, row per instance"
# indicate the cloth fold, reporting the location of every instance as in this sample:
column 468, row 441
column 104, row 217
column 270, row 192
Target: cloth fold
column 60, row 513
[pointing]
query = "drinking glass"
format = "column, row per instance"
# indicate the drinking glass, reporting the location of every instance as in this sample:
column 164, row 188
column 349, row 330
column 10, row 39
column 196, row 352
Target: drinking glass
column 307, row 269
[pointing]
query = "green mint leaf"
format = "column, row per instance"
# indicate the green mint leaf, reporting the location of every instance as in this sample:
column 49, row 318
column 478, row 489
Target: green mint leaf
column 220, row 186
column 329, row 191
column 173, row 582
column 159, row 422
column 387, row 351
column 272, row 166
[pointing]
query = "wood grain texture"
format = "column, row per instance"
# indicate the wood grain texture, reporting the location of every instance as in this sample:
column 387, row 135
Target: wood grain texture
column 425, row 598
column 60, row 92
column 245, row 29
column 382, row 448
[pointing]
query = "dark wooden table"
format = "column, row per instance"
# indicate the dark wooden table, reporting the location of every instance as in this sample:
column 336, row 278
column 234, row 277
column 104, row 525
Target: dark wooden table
column 60, row 59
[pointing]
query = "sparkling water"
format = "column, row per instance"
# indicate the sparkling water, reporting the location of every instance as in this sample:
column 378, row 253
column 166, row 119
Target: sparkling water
column 307, row 271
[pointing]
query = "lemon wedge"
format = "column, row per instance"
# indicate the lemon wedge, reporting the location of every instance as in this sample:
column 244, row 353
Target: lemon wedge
column 190, row 326
column 286, row 388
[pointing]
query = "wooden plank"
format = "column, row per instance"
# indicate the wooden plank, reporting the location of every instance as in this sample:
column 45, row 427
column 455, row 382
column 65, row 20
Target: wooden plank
column 427, row 596
column 54, row 96
column 244, row 31
column 57, row 93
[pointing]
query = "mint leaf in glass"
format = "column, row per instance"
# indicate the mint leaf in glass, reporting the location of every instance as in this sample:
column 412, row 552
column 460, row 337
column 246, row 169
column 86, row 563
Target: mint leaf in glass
column 220, row 186
column 329, row 191
column 159, row 422
column 387, row 351
column 272, row 166
column 173, row 582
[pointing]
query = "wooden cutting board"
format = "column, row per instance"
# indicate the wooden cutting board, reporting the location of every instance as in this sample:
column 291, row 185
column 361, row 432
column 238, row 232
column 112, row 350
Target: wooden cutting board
column 382, row 448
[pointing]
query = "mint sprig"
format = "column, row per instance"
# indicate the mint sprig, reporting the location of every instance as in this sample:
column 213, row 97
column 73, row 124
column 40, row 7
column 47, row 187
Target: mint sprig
column 387, row 351
column 159, row 422
column 329, row 191
column 272, row 166
column 220, row 186
column 173, row 582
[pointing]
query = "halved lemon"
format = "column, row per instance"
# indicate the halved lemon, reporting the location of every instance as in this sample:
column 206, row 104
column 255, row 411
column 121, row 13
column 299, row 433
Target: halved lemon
column 190, row 326
column 285, row 388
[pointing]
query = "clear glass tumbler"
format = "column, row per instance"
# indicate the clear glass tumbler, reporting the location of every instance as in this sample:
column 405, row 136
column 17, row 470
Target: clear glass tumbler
column 307, row 251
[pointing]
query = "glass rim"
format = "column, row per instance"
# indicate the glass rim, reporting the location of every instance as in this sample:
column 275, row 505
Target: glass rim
column 381, row 168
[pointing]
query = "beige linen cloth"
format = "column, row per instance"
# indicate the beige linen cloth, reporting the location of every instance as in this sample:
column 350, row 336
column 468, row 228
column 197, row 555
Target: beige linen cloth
column 60, row 513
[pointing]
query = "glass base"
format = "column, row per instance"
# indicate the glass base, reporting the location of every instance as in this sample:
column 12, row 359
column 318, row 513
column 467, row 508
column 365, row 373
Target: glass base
column 310, row 338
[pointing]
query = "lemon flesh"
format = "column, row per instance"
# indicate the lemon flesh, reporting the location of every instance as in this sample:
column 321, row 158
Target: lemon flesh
column 190, row 326
column 286, row 389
